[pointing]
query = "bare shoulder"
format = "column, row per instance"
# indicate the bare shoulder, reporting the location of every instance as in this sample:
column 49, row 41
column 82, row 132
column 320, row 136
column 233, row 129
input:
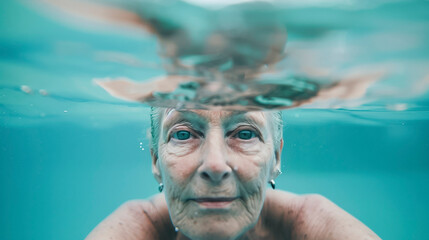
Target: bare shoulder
column 136, row 219
column 316, row 217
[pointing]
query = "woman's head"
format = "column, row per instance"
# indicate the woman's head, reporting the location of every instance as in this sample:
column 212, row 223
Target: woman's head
column 215, row 166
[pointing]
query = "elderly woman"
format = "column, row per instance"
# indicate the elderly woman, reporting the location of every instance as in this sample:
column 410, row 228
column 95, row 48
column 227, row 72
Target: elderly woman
column 214, row 168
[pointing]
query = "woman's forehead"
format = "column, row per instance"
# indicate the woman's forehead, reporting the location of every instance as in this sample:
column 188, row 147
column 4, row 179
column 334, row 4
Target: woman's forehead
column 214, row 116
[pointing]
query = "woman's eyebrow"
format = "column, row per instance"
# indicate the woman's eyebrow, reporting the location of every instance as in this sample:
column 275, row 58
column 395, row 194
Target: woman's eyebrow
column 184, row 116
column 243, row 118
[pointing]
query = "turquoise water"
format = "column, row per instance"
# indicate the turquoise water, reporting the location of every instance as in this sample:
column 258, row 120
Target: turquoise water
column 70, row 153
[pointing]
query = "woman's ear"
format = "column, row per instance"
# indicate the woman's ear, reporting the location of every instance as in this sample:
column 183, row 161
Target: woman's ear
column 278, row 157
column 155, row 166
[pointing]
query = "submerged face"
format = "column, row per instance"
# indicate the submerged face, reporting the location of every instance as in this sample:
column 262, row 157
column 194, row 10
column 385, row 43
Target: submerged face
column 215, row 166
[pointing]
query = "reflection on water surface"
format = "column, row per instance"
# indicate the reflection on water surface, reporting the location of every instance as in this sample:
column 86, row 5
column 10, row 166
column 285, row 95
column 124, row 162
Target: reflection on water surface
column 247, row 56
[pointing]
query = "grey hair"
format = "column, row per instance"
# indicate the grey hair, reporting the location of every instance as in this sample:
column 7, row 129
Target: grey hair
column 277, row 118
column 155, row 118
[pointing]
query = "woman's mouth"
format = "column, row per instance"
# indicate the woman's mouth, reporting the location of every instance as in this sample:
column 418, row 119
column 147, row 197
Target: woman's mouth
column 216, row 202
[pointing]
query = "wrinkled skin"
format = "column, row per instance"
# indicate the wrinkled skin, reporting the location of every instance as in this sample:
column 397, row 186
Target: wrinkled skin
column 206, row 157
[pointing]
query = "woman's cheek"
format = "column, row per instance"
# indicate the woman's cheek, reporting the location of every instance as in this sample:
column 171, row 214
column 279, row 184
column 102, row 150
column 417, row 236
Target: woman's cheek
column 252, row 163
column 179, row 160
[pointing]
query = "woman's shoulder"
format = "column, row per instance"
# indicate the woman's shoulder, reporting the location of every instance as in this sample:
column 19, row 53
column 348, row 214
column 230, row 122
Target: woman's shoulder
column 296, row 202
column 136, row 219
column 313, row 216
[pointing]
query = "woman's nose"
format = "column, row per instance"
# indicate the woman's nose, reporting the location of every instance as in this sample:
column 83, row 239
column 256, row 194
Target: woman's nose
column 214, row 167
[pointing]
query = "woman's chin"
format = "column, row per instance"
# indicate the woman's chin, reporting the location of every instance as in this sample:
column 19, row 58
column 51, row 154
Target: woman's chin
column 220, row 230
column 215, row 220
column 213, row 234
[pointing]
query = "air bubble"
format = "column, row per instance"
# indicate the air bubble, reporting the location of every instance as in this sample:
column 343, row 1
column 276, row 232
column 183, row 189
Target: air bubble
column 26, row 89
column 43, row 92
column 65, row 111
column 176, row 229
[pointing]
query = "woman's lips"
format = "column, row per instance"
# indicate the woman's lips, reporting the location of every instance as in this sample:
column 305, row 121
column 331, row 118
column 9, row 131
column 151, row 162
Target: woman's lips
column 221, row 202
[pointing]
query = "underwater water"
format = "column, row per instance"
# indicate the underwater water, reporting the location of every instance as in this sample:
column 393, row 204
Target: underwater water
column 70, row 153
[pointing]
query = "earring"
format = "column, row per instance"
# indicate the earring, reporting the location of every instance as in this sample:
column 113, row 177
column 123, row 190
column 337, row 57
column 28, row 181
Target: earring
column 272, row 183
column 161, row 187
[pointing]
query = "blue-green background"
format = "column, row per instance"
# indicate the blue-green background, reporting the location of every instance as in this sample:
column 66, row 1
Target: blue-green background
column 70, row 158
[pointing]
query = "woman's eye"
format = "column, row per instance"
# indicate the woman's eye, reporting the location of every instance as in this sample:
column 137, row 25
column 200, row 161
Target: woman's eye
column 246, row 134
column 182, row 135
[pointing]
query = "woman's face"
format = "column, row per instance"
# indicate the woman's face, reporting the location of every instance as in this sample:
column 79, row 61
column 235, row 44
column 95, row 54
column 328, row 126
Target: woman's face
column 215, row 166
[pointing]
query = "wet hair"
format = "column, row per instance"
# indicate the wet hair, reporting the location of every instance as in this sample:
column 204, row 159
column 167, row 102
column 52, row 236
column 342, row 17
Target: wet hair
column 156, row 114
